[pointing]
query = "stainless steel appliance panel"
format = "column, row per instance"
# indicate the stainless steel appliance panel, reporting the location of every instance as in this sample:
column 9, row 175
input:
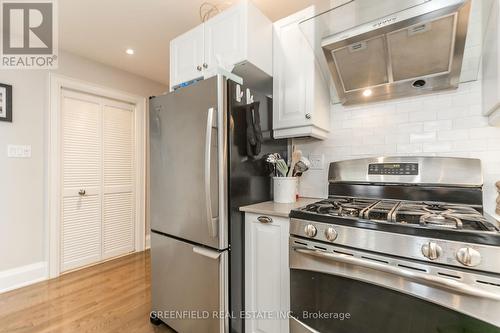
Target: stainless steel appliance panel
column 188, row 149
column 409, row 73
column 464, row 172
column 408, row 246
column 187, row 277
column 327, row 278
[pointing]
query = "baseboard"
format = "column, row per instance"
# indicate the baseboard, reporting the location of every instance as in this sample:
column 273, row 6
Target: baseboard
column 23, row 276
column 148, row 241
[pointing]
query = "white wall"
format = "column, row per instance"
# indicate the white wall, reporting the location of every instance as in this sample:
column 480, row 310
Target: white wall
column 23, row 185
column 444, row 124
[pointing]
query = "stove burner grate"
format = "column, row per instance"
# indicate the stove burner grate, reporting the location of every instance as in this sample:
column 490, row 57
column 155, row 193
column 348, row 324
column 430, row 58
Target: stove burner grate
column 432, row 215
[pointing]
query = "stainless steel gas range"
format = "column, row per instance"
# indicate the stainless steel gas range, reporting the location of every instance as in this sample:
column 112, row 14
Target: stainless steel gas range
column 401, row 245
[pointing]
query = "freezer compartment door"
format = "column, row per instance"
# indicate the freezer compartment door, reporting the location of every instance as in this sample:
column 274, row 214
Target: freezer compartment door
column 188, row 164
column 189, row 285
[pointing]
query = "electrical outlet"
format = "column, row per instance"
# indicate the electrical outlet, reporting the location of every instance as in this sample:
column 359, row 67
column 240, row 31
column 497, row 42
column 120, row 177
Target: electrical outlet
column 317, row 161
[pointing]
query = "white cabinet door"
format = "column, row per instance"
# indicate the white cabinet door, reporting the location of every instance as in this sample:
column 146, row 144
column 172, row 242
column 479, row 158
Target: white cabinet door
column 81, row 171
column 118, row 179
column 267, row 279
column 186, row 56
column 225, row 38
column 301, row 99
column 98, row 179
column 290, row 75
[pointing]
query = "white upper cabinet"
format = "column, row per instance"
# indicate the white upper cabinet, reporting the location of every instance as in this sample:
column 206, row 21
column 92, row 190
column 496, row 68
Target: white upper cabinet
column 238, row 35
column 223, row 39
column 186, row 56
column 301, row 96
column 491, row 67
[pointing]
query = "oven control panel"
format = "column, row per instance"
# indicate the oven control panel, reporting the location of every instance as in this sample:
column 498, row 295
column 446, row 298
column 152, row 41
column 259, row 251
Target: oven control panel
column 396, row 169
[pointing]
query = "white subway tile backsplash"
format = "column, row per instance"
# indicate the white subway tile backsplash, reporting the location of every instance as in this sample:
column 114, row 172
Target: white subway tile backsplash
column 409, row 148
column 470, row 122
column 469, row 145
column 410, row 106
column 353, row 123
column 438, row 125
column 368, row 150
column 410, row 128
column 423, row 115
column 448, row 123
column 475, row 110
column 460, row 100
column 423, row 137
column 396, row 138
column 453, row 135
column 452, row 112
column 374, row 139
column 437, row 103
column 437, row 147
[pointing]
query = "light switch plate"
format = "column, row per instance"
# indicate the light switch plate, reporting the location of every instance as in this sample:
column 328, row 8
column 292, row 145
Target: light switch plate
column 19, row 151
column 317, row 161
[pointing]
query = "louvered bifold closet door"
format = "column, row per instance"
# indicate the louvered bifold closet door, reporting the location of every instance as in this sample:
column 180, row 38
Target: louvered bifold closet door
column 118, row 202
column 81, row 180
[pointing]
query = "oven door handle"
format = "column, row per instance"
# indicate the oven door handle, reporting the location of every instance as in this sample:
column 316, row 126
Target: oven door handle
column 415, row 276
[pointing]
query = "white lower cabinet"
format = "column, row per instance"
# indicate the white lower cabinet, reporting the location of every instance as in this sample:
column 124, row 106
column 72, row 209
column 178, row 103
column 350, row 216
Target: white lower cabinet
column 267, row 278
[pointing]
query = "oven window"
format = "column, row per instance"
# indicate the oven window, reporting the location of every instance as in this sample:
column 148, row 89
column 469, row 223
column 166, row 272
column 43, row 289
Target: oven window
column 333, row 304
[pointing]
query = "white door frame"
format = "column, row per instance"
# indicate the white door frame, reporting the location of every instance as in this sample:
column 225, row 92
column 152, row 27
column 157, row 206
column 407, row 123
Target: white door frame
column 56, row 84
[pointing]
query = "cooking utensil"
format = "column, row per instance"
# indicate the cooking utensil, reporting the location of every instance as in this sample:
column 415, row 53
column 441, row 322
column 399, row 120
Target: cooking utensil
column 296, row 156
column 282, row 167
column 300, row 168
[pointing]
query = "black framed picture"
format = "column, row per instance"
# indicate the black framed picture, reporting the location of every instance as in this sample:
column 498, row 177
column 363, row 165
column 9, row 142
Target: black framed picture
column 5, row 102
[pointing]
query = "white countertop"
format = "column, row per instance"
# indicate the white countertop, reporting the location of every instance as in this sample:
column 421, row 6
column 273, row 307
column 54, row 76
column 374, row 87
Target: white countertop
column 277, row 209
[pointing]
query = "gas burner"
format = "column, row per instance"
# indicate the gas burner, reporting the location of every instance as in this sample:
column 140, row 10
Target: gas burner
column 441, row 220
column 339, row 206
column 349, row 211
column 434, row 208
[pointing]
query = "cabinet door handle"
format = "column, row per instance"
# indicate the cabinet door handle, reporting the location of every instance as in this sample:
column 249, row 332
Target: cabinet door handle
column 205, row 65
column 82, row 192
column 308, row 116
column 198, row 68
column 265, row 219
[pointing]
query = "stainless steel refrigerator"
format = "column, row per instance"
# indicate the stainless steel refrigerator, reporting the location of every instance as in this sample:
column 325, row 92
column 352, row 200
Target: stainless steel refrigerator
column 201, row 172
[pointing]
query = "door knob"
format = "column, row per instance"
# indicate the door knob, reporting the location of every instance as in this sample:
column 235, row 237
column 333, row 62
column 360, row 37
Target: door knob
column 198, row 68
column 205, row 65
column 81, row 192
column 308, row 116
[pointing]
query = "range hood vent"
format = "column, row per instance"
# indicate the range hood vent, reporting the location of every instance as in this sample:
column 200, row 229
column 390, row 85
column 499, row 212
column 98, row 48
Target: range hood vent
column 414, row 50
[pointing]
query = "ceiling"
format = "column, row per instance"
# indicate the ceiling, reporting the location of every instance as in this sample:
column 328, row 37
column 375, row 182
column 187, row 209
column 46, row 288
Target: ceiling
column 102, row 30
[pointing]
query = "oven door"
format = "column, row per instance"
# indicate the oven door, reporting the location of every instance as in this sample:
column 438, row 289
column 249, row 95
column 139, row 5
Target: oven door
column 339, row 290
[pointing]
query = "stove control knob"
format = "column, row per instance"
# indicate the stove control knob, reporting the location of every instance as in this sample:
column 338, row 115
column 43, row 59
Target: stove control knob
column 331, row 234
column 469, row 257
column 431, row 250
column 310, row 230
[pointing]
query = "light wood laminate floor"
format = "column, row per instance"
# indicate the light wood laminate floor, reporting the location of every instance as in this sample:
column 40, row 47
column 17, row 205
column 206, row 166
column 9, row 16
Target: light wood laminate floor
column 111, row 297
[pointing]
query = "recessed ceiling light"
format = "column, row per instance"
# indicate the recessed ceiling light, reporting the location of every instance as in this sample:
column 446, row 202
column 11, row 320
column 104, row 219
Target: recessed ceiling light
column 367, row 93
column 130, row 51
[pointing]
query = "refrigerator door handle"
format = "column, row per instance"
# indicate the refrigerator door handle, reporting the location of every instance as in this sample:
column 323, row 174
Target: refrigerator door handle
column 206, row 252
column 212, row 221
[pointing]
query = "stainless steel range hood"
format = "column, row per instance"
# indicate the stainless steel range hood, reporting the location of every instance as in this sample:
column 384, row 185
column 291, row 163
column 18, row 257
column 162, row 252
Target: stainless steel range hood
column 412, row 51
